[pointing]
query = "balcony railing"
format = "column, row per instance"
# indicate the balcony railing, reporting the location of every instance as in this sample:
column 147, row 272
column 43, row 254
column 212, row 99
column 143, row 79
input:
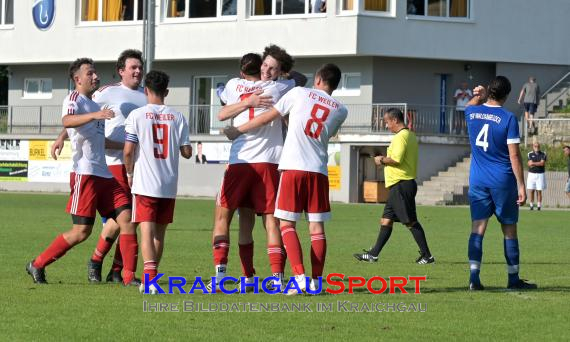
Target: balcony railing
column 202, row 119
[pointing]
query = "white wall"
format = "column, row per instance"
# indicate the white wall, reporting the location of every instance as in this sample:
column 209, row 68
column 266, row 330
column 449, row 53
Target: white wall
column 504, row 31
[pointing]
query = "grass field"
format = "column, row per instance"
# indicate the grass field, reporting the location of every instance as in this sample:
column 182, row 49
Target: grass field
column 71, row 309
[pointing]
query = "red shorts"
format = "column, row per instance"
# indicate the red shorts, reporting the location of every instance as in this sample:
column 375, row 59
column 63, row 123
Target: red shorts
column 120, row 173
column 250, row 185
column 303, row 191
column 92, row 193
column 152, row 209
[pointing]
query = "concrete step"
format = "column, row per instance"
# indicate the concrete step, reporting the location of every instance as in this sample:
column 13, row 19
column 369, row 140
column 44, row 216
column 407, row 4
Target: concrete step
column 448, row 187
column 433, row 188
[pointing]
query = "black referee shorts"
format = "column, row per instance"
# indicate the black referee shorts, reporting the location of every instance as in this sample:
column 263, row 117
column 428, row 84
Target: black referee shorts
column 401, row 204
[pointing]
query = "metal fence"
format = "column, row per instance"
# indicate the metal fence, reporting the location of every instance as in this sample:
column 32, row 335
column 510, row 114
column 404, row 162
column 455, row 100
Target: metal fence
column 202, row 119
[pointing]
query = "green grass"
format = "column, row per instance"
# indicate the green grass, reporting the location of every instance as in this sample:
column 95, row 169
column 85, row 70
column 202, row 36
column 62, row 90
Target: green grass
column 70, row 309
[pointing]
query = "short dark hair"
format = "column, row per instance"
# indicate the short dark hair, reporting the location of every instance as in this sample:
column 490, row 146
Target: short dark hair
column 129, row 53
column 566, row 146
column 395, row 113
column 330, row 74
column 76, row 65
column 157, row 82
column 250, row 64
column 199, row 143
column 285, row 60
column 499, row 88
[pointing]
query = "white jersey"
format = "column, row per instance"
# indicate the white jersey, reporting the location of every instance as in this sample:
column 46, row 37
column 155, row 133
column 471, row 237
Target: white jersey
column 264, row 144
column 121, row 100
column 88, row 140
column 314, row 117
column 159, row 132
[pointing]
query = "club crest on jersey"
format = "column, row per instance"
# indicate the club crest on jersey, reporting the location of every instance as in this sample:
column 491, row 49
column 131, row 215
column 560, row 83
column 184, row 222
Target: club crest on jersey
column 43, row 13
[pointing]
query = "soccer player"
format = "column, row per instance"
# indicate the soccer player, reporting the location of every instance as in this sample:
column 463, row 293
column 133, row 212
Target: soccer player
column 155, row 135
column 496, row 180
column 400, row 170
column 314, row 117
column 92, row 185
column 536, row 181
column 276, row 63
column 122, row 98
column 252, row 177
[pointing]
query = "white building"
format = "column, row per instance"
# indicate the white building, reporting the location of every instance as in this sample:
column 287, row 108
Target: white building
column 390, row 51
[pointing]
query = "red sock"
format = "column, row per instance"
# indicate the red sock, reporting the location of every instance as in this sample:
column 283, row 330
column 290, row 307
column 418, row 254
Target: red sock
column 318, row 254
column 118, row 258
column 246, row 257
column 56, row 250
column 129, row 250
column 276, row 258
column 221, row 249
column 293, row 248
column 103, row 247
column 150, row 268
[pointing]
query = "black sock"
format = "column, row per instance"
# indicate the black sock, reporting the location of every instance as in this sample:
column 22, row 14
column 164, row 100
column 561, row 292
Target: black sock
column 420, row 237
column 383, row 236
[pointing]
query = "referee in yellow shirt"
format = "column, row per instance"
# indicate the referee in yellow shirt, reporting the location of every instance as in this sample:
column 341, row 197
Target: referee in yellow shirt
column 400, row 169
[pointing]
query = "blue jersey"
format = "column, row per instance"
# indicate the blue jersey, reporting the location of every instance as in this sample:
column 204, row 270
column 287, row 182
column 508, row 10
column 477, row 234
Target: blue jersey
column 491, row 129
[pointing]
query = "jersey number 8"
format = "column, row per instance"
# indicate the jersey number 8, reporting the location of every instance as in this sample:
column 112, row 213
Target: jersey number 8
column 315, row 119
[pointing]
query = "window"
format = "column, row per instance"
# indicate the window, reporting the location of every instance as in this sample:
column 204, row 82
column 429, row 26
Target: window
column 371, row 6
column 206, row 105
column 199, row 8
column 37, row 88
column 349, row 85
column 6, row 12
column 376, row 5
column 280, row 7
column 111, row 10
column 439, row 8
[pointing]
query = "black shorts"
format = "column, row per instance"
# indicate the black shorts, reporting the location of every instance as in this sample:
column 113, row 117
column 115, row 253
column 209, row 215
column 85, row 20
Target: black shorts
column 401, row 204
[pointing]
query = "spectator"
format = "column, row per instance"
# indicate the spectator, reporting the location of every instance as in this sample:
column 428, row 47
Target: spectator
column 462, row 96
column 536, row 180
column 567, row 154
column 200, row 157
column 530, row 96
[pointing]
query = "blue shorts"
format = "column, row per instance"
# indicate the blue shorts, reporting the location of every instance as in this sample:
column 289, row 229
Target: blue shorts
column 530, row 107
column 484, row 202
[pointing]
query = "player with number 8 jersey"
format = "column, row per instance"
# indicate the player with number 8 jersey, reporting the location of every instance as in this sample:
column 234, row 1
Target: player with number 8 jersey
column 314, row 117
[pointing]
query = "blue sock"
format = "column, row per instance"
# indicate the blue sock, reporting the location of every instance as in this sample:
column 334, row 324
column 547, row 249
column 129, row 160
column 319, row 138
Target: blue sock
column 512, row 256
column 475, row 253
column 104, row 220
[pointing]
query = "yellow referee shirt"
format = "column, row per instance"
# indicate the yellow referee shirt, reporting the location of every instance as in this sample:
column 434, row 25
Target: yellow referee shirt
column 404, row 150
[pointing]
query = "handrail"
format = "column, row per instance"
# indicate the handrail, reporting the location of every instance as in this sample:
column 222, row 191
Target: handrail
column 554, row 85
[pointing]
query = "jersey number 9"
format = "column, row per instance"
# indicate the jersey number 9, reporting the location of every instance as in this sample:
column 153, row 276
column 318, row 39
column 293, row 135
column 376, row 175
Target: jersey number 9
column 160, row 137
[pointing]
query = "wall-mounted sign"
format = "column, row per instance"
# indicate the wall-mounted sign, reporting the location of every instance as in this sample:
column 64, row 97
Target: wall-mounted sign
column 43, row 13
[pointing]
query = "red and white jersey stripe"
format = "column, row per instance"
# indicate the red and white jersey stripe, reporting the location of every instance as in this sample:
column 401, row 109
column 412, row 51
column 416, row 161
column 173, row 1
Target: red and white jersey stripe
column 88, row 140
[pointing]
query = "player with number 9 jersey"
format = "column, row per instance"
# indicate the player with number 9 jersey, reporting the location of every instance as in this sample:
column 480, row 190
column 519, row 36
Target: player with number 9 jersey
column 159, row 132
